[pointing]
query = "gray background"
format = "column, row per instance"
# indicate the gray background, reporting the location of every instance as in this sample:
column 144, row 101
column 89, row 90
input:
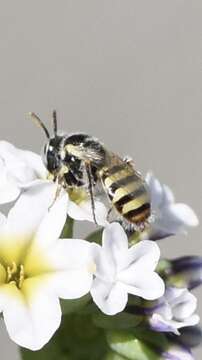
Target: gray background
column 129, row 72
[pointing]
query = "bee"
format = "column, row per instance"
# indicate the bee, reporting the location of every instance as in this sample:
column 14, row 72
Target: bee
column 81, row 161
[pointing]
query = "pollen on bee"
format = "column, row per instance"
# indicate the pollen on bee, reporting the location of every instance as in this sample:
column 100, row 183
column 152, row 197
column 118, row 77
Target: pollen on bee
column 50, row 177
column 78, row 195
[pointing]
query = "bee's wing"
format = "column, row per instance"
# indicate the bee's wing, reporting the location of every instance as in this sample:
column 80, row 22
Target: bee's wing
column 125, row 163
column 91, row 153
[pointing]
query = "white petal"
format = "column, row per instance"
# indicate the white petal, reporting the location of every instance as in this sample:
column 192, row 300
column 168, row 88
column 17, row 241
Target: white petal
column 23, row 165
column 168, row 196
column 143, row 256
column 83, row 211
column 8, row 153
column 35, row 163
column 115, row 245
column 191, row 321
column 7, row 149
column 2, row 220
column 173, row 294
column 21, row 173
column 18, row 169
column 53, row 222
column 110, row 298
column 170, row 218
column 70, row 253
column 183, row 215
column 9, row 189
column 164, row 309
column 113, row 253
column 30, row 209
column 173, row 219
column 160, row 324
column 72, row 283
column 105, row 267
column 72, row 268
column 185, row 306
column 30, row 321
column 9, row 192
column 147, row 285
column 155, row 190
column 24, row 219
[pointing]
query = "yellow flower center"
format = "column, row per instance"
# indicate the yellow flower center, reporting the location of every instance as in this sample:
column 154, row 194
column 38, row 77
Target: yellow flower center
column 15, row 274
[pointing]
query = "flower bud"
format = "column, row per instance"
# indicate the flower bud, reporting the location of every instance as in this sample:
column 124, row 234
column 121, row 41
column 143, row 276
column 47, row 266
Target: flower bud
column 177, row 352
column 190, row 336
column 184, row 271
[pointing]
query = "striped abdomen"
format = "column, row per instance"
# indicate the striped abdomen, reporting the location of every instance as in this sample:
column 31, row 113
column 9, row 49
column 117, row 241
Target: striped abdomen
column 127, row 192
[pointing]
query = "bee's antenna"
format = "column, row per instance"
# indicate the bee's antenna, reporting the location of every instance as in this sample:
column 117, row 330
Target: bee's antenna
column 39, row 122
column 55, row 123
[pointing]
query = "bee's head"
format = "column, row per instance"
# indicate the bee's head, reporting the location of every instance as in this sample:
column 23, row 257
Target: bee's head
column 52, row 151
column 51, row 155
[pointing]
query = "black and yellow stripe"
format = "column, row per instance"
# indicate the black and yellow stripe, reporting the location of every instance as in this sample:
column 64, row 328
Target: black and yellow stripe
column 127, row 191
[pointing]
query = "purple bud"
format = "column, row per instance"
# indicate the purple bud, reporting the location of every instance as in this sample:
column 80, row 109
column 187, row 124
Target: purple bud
column 147, row 308
column 177, row 352
column 185, row 271
column 190, row 336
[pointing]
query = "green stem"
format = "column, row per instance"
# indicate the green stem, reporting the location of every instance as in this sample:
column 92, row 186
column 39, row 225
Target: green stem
column 76, row 339
column 95, row 236
column 67, row 232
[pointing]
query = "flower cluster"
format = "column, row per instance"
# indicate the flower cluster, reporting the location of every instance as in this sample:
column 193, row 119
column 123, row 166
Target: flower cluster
column 126, row 283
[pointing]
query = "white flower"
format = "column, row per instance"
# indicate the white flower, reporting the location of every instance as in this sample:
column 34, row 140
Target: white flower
column 176, row 310
column 83, row 211
column 121, row 271
column 20, row 170
column 37, row 268
column 170, row 218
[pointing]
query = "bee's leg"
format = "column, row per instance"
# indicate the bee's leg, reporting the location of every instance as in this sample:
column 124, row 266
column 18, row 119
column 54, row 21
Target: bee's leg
column 57, row 194
column 109, row 212
column 90, row 188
